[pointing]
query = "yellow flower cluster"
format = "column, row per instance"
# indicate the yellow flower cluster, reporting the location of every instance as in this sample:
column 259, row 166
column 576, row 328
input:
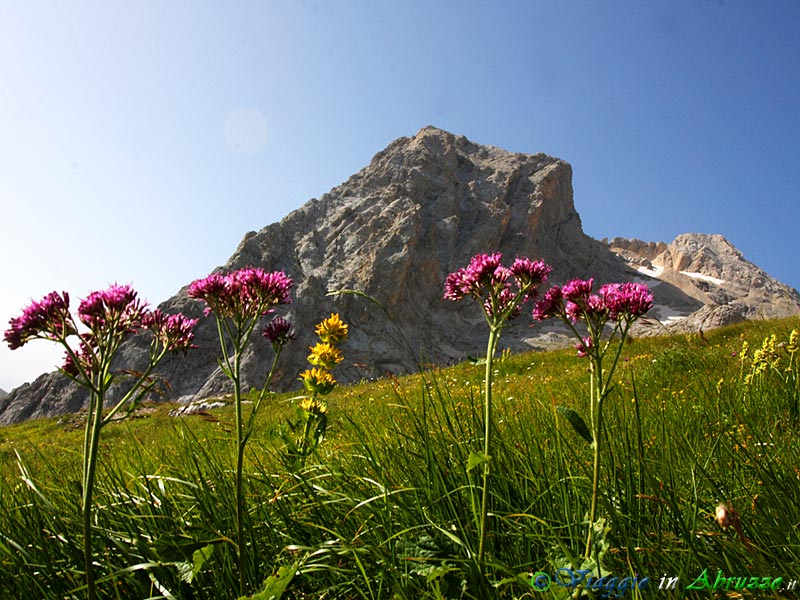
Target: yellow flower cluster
column 794, row 342
column 313, row 405
column 318, row 381
column 764, row 357
column 332, row 330
column 323, row 357
column 769, row 357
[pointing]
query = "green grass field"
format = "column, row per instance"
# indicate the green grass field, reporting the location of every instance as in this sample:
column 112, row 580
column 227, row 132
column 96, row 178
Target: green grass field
column 387, row 508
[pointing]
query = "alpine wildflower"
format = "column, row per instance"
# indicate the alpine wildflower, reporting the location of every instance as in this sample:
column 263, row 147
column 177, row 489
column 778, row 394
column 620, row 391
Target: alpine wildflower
column 111, row 316
column 500, row 291
column 579, row 307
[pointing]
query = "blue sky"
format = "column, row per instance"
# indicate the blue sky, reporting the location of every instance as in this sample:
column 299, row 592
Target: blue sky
column 139, row 141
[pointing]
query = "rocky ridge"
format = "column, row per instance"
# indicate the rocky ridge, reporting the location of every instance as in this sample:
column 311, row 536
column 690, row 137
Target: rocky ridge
column 419, row 210
column 709, row 269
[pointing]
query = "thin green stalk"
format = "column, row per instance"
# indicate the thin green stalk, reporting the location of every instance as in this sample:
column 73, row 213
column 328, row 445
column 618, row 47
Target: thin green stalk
column 94, row 423
column 87, row 438
column 639, row 444
column 494, row 333
column 90, row 459
column 240, row 444
column 237, row 329
column 241, row 336
column 596, row 393
column 304, row 443
column 252, row 417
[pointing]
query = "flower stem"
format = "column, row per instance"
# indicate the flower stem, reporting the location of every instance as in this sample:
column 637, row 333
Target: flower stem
column 597, row 402
column 251, row 419
column 240, row 444
column 494, row 334
column 94, row 422
column 599, row 389
column 304, row 441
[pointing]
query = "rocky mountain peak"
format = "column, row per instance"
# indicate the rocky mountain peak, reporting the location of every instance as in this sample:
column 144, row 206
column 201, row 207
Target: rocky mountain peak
column 710, row 254
column 394, row 230
column 709, row 269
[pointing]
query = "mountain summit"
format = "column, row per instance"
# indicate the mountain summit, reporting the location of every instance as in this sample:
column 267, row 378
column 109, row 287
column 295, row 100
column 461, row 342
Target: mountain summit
column 420, row 210
column 709, row 269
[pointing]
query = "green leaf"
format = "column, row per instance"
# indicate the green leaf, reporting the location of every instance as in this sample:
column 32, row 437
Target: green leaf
column 199, row 558
column 576, row 421
column 275, row 585
column 179, row 546
column 476, row 459
column 189, row 570
column 320, row 429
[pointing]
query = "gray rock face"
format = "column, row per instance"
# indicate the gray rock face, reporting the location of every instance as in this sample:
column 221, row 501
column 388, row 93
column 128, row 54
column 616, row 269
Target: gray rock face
column 422, row 208
column 3, row 393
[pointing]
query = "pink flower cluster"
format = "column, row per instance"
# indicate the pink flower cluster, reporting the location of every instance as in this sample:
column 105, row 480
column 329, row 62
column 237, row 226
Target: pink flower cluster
column 109, row 314
column 117, row 307
column 279, row 332
column 575, row 301
column 174, row 332
column 248, row 292
column 496, row 286
column 626, row 300
column 484, row 270
column 49, row 318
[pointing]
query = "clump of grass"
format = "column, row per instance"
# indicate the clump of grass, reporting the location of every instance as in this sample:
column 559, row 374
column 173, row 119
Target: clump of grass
column 387, row 508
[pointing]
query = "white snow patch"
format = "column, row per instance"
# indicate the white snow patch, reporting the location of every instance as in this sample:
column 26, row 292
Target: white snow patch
column 655, row 272
column 666, row 315
column 703, row 277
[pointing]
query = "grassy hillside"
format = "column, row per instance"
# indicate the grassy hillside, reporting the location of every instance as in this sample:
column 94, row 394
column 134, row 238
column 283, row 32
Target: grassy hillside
column 387, row 507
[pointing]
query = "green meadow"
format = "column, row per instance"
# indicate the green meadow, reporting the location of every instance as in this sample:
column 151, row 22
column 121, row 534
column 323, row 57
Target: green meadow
column 387, row 506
